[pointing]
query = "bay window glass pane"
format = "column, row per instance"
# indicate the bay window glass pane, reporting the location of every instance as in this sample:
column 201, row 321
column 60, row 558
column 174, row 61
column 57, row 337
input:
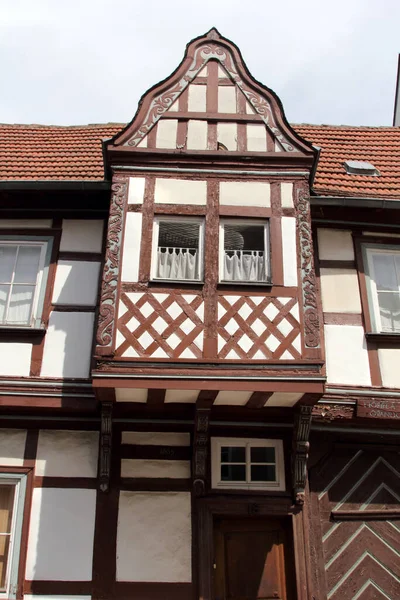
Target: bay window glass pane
column 6, row 508
column 7, row 262
column 263, row 473
column 262, row 455
column 235, row 454
column 244, row 252
column 233, row 472
column 27, row 264
column 389, row 310
column 178, row 250
column 4, row 291
column 385, row 272
column 20, row 308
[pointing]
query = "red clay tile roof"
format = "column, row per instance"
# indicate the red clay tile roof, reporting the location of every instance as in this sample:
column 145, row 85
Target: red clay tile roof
column 41, row 152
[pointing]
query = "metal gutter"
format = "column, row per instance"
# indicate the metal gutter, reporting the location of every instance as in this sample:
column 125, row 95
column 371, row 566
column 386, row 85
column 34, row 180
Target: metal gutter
column 260, row 173
column 354, row 202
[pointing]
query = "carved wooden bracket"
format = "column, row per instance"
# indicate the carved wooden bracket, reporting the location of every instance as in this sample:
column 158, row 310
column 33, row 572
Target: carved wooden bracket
column 300, row 450
column 200, row 450
column 105, row 446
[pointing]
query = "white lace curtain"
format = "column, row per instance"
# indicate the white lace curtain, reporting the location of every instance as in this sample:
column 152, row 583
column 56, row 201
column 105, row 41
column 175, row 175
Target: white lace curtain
column 18, row 276
column 177, row 263
column 240, row 266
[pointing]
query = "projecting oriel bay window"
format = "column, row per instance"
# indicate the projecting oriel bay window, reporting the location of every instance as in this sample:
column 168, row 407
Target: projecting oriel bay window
column 178, row 249
column 383, row 283
column 244, row 252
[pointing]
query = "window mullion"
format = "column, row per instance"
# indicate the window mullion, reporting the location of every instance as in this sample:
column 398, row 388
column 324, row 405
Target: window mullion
column 11, row 286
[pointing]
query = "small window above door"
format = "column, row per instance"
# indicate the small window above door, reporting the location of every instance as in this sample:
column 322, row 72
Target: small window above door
column 244, row 252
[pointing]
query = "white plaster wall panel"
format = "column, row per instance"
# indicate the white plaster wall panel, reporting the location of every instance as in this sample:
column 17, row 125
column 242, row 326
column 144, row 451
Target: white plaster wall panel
column 180, row 191
column 61, row 532
column 67, row 453
column 12, row 447
column 154, row 537
column 76, row 282
column 68, row 345
column 227, row 99
column 340, row 291
column 284, row 399
column 227, row 135
column 221, row 72
column 389, row 361
column 184, row 396
column 82, row 235
column 143, row 143
column 346, row 355
column 197, row 135
column 256, row 137
column 287, row 195
column 15, row 359
column 166, row 133
column 25, row 223
column 232, row 398
column 155, row 438
column 335, row 244
column 197, row 98
column 136, row 190
column 174, row 107
column 289, row 251
column 244, row 193
column 249, row 109
column 131, row 251
column 164, row 469
column 131, row 394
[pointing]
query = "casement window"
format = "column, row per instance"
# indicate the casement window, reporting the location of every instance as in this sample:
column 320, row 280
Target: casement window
column 383, row 283
column 244, row 251
column 23, row 274
column 178, row 249
column 239, row 463
column 12, row 496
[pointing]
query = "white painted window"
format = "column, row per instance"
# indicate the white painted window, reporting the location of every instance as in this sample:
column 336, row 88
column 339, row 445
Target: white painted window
column 22, row 278
column 244, row 251
column 383, row 281
column 239, row 463
column 178, row 249
column 12, row 495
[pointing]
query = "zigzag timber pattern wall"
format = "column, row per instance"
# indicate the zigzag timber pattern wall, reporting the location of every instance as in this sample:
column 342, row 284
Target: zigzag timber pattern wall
column 361, row 549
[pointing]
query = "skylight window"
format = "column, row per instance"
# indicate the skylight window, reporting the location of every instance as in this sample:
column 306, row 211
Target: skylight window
column 360, row 167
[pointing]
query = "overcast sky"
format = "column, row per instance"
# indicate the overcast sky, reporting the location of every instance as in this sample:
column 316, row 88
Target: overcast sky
column 71, row 62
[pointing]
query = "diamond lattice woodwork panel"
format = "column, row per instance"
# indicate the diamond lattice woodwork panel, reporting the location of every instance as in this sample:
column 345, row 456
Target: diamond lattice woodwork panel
column 160, row 325
column 361, row 556
column 258, row 327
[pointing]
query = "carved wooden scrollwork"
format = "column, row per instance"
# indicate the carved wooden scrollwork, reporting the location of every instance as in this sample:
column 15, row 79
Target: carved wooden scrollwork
column 200, row 450
column 105, row 446
column 300, row 451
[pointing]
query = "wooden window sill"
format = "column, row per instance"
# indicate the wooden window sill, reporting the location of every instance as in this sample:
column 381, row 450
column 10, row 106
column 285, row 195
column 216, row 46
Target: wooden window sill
column 383, row 337
column 10, row 332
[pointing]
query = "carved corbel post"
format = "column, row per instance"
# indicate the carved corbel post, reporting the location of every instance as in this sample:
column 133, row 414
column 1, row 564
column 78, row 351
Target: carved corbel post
column 200, row 450
column 105, row 446
column 300, row 450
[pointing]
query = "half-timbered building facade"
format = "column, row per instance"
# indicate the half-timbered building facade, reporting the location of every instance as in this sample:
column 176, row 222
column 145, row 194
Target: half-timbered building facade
column 199, row 389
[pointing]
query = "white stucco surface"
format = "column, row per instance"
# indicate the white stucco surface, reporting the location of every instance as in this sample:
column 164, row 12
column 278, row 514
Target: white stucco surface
column 76, row 282
column 335, row 244
column 68, row 345
column 197, row 98
column 15, row 358
column 227, row 99
column 189, row 396
column 180, row 191
column 287, row 195
column 197, row 135
column 346, row 355
column 12, row 447
column 389, row 362
column 79, row 235
column 227, row 135
column 154, row 537
column 136, row 190
column 67, row 453
column 256, row 137
column 155, row 438
column 285, row 399
column 168, row 469
column 289, row 251
column 340, row 291
column 232, row 398
column 166, row 133
column 245, row 193
column 25, row 223
column 131, row 395
column 131, row 251
column 61, row 532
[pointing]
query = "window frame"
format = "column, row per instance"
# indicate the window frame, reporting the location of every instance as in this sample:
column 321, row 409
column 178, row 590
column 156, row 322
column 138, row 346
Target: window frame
column 278, row 485
column 19, row 480
column 368, row 249
column 154, row 246
column 46, row 243
column 267, row 249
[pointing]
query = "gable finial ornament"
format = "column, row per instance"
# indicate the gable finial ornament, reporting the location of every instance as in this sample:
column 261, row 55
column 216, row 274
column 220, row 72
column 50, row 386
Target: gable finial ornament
column 213, row 34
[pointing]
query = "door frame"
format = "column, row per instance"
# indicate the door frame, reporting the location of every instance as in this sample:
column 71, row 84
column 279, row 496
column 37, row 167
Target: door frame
column 240, row 507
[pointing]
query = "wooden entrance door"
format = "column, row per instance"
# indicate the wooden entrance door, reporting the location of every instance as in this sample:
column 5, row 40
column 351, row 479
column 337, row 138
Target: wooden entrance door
column 252, row 560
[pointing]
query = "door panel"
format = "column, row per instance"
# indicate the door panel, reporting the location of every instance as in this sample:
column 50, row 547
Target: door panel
column 250, row 560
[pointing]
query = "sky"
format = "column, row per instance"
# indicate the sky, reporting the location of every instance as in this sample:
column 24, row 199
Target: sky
column 72, row 62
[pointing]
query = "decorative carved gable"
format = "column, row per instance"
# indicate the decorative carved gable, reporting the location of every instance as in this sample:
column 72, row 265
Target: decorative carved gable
column 211, row 103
